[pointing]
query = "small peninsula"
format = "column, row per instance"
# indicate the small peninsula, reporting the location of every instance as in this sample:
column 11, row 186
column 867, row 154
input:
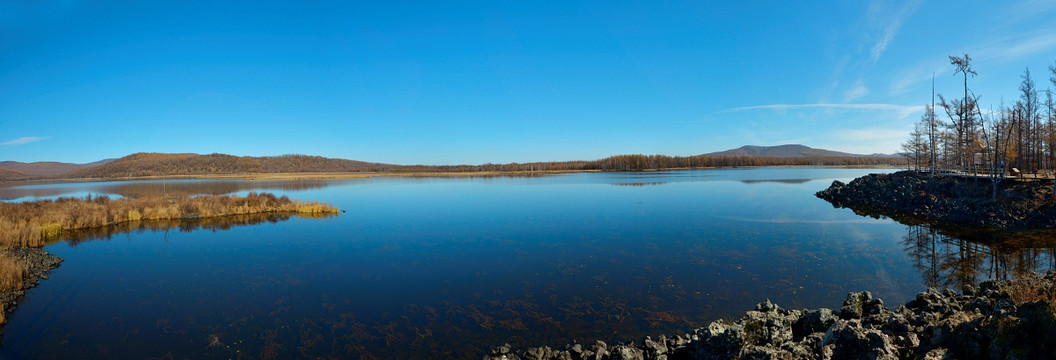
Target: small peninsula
column 949, row 200
column 26, row 227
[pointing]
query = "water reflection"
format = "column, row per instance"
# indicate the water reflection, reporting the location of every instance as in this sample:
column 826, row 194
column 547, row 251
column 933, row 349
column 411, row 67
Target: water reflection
column 780, row 181
column 142, row 188
column 952, row 261
column 220, row 223
column 640, row 184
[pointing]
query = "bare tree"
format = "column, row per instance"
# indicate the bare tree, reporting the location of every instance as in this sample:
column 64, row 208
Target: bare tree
column 996, row 133
column 1028, row 123
column 961, row 111
column 933, row 123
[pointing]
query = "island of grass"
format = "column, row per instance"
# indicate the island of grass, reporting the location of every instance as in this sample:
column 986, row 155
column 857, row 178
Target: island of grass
column 949, row 200
column 26, row 227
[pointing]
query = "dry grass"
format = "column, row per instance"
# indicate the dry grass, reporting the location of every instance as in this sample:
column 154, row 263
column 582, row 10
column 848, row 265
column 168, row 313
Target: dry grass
column 11, row 274
column 1030, row 289
column 29, row 224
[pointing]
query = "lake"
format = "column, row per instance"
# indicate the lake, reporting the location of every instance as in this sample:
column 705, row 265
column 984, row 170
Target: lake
column 448, row 267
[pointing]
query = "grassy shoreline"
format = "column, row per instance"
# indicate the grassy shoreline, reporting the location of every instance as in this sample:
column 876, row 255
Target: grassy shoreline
column 32, row 224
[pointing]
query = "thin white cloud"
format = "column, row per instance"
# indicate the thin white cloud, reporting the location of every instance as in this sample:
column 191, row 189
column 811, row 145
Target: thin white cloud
column 1012, row 49
column 856, row 92
column 902, row 110
column 892, row 28
column 22, row 140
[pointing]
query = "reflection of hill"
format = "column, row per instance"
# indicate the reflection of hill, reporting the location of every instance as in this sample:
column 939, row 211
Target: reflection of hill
column 780, row 181
column 951, row 261
column 169, row 188
column 75, row 237
column 640, row 184
column 189, row 188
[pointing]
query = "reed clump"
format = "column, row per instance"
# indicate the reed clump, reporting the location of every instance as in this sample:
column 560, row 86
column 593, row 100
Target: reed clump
column 11, row 274
column 29, row 224
column 1030, row 289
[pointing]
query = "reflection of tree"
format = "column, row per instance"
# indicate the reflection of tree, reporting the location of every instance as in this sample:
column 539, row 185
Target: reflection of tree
column 951, row 261
column 75, row 237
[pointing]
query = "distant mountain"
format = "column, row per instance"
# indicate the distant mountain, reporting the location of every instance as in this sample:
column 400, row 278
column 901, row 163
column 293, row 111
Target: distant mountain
column 790, row 150
column 46, row 168
column 159, row 164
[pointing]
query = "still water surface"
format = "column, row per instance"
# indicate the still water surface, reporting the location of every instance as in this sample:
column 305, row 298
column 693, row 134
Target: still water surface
column 447, row 267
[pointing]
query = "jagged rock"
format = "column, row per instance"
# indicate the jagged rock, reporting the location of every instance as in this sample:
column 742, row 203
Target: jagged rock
column 624, row 352
column 503, row 353
column 852, row 341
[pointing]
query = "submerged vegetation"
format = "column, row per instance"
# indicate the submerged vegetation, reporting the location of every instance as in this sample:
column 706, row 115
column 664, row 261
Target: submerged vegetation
column 29, row 224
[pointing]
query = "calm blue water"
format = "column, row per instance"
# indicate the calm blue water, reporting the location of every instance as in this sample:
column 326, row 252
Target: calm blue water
column 447, row 267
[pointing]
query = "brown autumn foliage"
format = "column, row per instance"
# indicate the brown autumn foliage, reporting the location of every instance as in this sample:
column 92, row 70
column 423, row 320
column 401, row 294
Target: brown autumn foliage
column 158, row 164
column 1030, row 289
column 29, row 224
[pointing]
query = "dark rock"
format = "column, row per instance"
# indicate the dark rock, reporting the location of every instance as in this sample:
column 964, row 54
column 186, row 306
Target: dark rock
column 852, row 341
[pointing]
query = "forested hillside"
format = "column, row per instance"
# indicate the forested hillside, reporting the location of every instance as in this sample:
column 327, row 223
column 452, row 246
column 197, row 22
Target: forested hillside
column 41, row 168
column 6, row 174
column 157, row 164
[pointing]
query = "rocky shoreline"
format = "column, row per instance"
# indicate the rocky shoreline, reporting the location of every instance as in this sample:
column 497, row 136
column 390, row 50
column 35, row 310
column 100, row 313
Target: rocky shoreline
column 1011, row 319
column 38, row 264
column 911, row 196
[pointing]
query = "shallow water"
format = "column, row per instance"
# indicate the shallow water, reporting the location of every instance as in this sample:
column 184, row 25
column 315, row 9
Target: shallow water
column 446, row 267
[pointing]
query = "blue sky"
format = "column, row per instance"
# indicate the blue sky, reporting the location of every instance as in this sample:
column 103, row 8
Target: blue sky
column 494, row 81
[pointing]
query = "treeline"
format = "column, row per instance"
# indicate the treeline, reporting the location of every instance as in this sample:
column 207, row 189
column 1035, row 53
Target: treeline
column 974, row 139
column 153, row 164
column 29, row 224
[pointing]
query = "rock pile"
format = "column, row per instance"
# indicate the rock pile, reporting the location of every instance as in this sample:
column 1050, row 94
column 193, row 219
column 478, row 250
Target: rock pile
column 996, row 320
column 951, row 200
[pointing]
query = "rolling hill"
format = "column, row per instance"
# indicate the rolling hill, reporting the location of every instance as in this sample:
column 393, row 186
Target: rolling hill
column 159, row 164
column 45, row 168
column 162, row 164
column 8, row 174
column 789, row 150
